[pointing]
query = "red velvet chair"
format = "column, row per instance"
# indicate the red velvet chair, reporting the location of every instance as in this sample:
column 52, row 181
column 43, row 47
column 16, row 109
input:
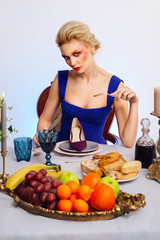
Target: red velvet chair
column 106, row 134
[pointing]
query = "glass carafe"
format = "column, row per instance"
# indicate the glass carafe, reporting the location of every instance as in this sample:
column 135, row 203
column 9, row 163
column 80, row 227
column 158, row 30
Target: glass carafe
column 145, row 149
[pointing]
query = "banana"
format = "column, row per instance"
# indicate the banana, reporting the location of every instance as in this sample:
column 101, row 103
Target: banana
column 19, row 176
column 54, row 174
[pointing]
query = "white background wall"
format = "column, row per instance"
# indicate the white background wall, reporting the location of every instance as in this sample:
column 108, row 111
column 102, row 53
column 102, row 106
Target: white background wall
column 29, row 58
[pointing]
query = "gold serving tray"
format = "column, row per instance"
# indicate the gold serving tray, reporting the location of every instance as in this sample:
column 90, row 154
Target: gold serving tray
column 125, row 203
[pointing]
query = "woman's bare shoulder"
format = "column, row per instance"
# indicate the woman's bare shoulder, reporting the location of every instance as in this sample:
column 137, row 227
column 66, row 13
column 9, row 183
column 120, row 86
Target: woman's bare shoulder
column 106, row 75
column 54, row 87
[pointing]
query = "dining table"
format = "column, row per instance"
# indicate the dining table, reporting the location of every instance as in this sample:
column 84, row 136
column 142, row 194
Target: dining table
column 19, row 224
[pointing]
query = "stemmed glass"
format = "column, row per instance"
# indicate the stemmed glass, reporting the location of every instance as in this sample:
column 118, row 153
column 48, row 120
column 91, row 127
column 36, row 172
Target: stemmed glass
column 47, row 140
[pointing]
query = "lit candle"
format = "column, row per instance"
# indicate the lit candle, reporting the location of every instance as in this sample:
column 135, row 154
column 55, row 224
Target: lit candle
column 3, row 120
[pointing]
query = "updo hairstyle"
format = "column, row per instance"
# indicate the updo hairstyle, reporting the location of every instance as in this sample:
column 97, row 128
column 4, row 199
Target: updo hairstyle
column 79, row 31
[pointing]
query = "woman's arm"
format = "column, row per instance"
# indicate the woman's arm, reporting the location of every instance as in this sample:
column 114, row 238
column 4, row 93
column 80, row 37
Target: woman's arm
column 50, row 109
column 127, row 116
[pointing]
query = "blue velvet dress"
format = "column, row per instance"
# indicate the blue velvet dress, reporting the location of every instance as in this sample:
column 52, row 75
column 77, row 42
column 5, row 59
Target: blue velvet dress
column 92, row 120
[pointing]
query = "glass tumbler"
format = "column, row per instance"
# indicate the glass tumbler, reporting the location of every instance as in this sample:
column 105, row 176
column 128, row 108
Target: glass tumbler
column 23, row 148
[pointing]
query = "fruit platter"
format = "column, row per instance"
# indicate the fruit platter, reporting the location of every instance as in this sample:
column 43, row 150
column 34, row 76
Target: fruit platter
column 51, row 192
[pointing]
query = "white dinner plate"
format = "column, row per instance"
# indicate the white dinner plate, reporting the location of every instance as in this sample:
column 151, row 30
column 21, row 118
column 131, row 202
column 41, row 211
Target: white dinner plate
column 123, row 180
column 128, row 180
column 91, row 146
column 58, row 150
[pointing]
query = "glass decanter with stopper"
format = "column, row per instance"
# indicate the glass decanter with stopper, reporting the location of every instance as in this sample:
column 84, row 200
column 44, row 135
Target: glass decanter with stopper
column 145, row 149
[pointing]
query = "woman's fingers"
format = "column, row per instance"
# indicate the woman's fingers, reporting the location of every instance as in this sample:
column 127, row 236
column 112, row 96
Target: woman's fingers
column 35, row 139
column 124, row 93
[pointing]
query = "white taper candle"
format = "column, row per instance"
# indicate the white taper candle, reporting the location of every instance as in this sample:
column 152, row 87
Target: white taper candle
column 157, row 100
column 3, row 119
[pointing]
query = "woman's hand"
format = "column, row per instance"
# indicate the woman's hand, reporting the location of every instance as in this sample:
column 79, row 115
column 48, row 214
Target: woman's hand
column 125, row 93
column 35, row 139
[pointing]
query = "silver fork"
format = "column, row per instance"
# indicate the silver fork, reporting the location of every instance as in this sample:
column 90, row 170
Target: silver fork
column 99, row 94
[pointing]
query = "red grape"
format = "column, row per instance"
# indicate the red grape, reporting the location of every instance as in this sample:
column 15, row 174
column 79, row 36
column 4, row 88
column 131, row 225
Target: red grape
column 29, row 176
column 43, row 196
column 33, row 183
column 27, row 192
column 44, row 180
column 49, row 178
column 38, row 176
column 32, row 171
column 38, row 203
column 43, row 171
column 54, row 183
column 39, row 188
column 22, row 194
column 50, row 198
column 53, row 190
column 47, row 187
column 59, row 182
column 33, row 197
column 25, row 183
column 51, row 206
column 20, row 189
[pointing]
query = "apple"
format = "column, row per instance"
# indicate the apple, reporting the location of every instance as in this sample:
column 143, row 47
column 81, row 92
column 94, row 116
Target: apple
column 67, row 176
column 112, row 183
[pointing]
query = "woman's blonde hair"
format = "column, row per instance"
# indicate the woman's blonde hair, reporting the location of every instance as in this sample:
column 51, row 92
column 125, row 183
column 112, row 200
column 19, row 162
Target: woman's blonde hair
column 76, row 30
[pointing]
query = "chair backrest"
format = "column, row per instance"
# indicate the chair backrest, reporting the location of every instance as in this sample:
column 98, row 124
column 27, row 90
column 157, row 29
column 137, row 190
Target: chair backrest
column 41, row 103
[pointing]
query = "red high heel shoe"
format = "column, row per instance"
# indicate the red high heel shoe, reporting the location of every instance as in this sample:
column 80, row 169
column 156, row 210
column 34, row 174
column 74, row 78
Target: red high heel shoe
column 77, row 137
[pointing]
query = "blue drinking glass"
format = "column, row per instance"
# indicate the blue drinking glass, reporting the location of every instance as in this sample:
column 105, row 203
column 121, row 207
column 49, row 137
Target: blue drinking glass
column 47, row 140
column 23, row 148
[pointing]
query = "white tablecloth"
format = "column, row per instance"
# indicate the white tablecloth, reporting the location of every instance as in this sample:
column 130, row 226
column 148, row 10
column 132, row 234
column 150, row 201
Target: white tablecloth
column 18, row 224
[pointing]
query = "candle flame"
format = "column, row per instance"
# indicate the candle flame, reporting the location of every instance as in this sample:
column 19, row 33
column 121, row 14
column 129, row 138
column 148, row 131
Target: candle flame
column 3, row 94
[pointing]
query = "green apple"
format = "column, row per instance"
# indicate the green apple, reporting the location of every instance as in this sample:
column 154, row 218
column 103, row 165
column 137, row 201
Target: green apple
column 112, row 183
column 67, row 176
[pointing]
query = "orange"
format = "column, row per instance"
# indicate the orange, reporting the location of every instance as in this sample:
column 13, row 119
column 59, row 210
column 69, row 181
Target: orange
column 91, row 179
column 89, row 200
column 64, row 205
column 84, row 192
column 103, row 197
column 73, row 186
column 73, row 198
column 80, row 206
column 63, row 191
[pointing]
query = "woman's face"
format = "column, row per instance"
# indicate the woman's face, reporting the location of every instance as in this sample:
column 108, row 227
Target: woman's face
column 77, row 55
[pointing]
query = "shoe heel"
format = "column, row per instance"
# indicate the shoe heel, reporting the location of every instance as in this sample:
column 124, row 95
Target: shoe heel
column 76, row 133
column 77, row 136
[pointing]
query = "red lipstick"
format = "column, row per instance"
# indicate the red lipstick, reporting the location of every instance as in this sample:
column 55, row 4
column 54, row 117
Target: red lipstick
column 77, row 68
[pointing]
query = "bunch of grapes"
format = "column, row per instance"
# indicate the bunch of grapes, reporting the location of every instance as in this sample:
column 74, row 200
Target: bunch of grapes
column 39, row 189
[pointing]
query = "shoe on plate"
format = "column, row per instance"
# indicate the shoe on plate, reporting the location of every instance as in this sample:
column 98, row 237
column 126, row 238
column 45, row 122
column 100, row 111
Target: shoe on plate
column 77, row 137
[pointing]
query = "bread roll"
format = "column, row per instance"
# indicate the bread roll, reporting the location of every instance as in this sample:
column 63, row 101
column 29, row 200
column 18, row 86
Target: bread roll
column 91, row 166
column 111, row 161
column 112, row 155
column 132, row 166
column 124, row 176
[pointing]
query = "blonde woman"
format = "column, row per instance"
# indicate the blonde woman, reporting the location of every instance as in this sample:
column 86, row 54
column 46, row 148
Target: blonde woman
column 75, row 90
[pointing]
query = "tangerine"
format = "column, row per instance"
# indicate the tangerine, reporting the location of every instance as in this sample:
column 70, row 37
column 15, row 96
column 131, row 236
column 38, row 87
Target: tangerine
column 91, row 179
column 103, row 197
column 80, row 206
column 73, row 198
column 73, row 186
column 64, row 205
column 84, row 192
column 63, row 191
column 89, row 200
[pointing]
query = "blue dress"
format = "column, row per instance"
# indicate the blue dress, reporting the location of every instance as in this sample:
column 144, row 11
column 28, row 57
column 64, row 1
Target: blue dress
column 92, row 120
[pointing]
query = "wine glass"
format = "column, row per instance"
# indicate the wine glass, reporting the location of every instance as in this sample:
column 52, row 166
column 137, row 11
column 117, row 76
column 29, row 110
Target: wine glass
column 47, row 140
